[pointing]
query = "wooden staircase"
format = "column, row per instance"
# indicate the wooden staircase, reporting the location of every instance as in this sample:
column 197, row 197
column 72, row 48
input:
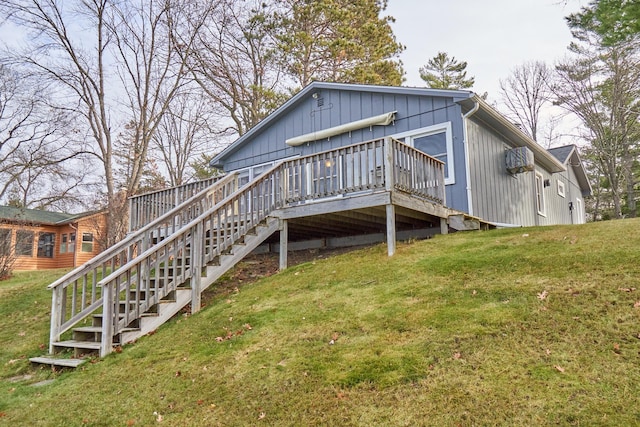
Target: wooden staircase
column 137, row 285
column 190, row 240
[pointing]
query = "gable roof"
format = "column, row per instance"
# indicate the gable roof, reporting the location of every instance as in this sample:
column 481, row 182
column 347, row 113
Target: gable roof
column 293, row 102
column 36, row 216
column 569, row 156
column 467, row 99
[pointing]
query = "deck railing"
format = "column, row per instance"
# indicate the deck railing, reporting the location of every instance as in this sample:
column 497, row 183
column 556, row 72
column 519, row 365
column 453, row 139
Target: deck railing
column 77, row 293
column 136, row 274
column 146, row 207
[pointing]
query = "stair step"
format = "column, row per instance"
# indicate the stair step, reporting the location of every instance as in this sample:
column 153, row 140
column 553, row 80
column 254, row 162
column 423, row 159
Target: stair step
column 86, row 345
column 67, row 363
column 98, row 329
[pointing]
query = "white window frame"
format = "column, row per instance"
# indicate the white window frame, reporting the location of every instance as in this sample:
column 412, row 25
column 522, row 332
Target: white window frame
column 580, row 210
column 561, row 189
column 539, row 189
column 410, row 136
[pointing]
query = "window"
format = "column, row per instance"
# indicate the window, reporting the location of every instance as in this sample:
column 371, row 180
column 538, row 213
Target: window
column 5, row 241
column 63, row 243
column 540, row 194
column 46, row 243
column 71, row 247
column 87, row 242
column 435, row 141
column 579, row 212
column 561, row 192
column 24, row 243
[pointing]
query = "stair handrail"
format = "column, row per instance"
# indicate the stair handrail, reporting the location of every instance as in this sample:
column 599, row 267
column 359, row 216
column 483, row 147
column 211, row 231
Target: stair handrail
column 194, row 231
column 84, row 279
column 116, row 248
column 173, row 197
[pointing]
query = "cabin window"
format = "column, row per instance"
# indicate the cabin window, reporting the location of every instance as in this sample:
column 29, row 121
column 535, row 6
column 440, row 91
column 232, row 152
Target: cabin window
column 72, row 243
column 561, row 192
column 540, row 202
column 24, row 243
column 435, row 141
column 87, row 242
column 46, row 243
column 63, row 243
column 5, row 241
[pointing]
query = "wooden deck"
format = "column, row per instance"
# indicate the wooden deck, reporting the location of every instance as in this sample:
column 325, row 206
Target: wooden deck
column 182, row 242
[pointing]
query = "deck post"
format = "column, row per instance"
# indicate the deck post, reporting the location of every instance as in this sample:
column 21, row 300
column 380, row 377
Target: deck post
column 284, row 243
column 391, row 229
column 196, row 268
column 108, row 313
column 444, row 226
column 388, row 164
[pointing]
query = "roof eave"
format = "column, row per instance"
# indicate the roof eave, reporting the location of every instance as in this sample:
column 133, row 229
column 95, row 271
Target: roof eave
column 513, row 133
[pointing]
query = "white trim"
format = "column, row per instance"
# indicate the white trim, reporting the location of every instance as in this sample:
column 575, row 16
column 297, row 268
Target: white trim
column 380, row 120
column 580, row 210
column 411, row 135
column 539, row 191
column 561, row 189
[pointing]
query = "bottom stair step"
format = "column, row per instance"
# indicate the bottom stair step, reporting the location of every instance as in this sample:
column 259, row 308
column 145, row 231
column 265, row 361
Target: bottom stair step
column 67, row 363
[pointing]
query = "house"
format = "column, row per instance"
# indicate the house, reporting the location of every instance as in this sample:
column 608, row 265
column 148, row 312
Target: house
column 336, row 165
column 457, row 127
column 43, row 240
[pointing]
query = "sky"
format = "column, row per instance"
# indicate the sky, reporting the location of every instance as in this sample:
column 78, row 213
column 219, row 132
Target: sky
column 492, row 36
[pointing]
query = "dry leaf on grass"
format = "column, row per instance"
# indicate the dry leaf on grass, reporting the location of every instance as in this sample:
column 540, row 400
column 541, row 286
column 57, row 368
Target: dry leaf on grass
column 543, row 295
column 559, row 368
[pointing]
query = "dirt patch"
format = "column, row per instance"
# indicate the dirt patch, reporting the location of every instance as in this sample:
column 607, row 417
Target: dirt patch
column 255, row 267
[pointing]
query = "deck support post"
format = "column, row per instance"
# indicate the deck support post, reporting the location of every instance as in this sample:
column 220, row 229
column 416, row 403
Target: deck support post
column 284, row 243
column 444, row 226
column 108, row 314
column 391, row 230
column 196, row 269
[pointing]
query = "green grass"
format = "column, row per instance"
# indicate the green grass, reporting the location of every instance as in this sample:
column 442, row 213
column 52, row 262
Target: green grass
column 449, row 331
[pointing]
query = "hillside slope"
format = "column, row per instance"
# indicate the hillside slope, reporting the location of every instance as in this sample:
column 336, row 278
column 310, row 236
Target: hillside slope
column 534, row 326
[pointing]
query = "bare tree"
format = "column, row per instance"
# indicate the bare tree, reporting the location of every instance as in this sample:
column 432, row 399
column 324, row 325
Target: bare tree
column 234, row 63
column 36, row 157
column 127, row 49
column 185, row 133
column 525, row 92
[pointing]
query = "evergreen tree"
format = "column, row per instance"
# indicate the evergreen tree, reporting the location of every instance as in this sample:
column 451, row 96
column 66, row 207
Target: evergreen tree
column 338, row 41
column 442, row 72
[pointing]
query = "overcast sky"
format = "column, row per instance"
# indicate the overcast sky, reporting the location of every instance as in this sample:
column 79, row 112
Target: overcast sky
column 493, row 36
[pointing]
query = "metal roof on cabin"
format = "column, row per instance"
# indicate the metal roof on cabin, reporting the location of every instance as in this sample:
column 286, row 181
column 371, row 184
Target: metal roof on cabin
column 457, row 95
column 10, row 213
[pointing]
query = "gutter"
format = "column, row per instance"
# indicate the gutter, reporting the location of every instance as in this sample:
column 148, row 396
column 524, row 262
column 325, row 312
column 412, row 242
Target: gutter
column 467, row 166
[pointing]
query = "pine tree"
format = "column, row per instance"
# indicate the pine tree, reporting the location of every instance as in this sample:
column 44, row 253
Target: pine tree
column 442, row 72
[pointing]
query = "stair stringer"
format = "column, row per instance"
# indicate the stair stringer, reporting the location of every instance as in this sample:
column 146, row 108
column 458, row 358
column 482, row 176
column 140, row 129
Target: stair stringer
column 166, row 310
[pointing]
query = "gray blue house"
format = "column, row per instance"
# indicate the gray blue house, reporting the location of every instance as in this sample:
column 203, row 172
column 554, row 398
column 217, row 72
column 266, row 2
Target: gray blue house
column 493, row 171
column 337, row 165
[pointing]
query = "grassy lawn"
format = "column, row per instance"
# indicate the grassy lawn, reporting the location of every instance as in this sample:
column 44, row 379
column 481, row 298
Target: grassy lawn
column 533, row 326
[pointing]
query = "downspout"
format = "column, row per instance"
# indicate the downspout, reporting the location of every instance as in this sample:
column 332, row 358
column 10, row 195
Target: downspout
column 467, row 167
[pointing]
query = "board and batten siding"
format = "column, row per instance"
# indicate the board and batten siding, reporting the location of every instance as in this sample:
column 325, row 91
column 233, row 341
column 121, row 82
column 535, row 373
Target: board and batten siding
column 501, row 197
column 497, row 196
column 334, row 107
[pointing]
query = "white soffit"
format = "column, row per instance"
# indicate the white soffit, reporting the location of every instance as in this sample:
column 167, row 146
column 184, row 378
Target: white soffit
column 381, row 120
